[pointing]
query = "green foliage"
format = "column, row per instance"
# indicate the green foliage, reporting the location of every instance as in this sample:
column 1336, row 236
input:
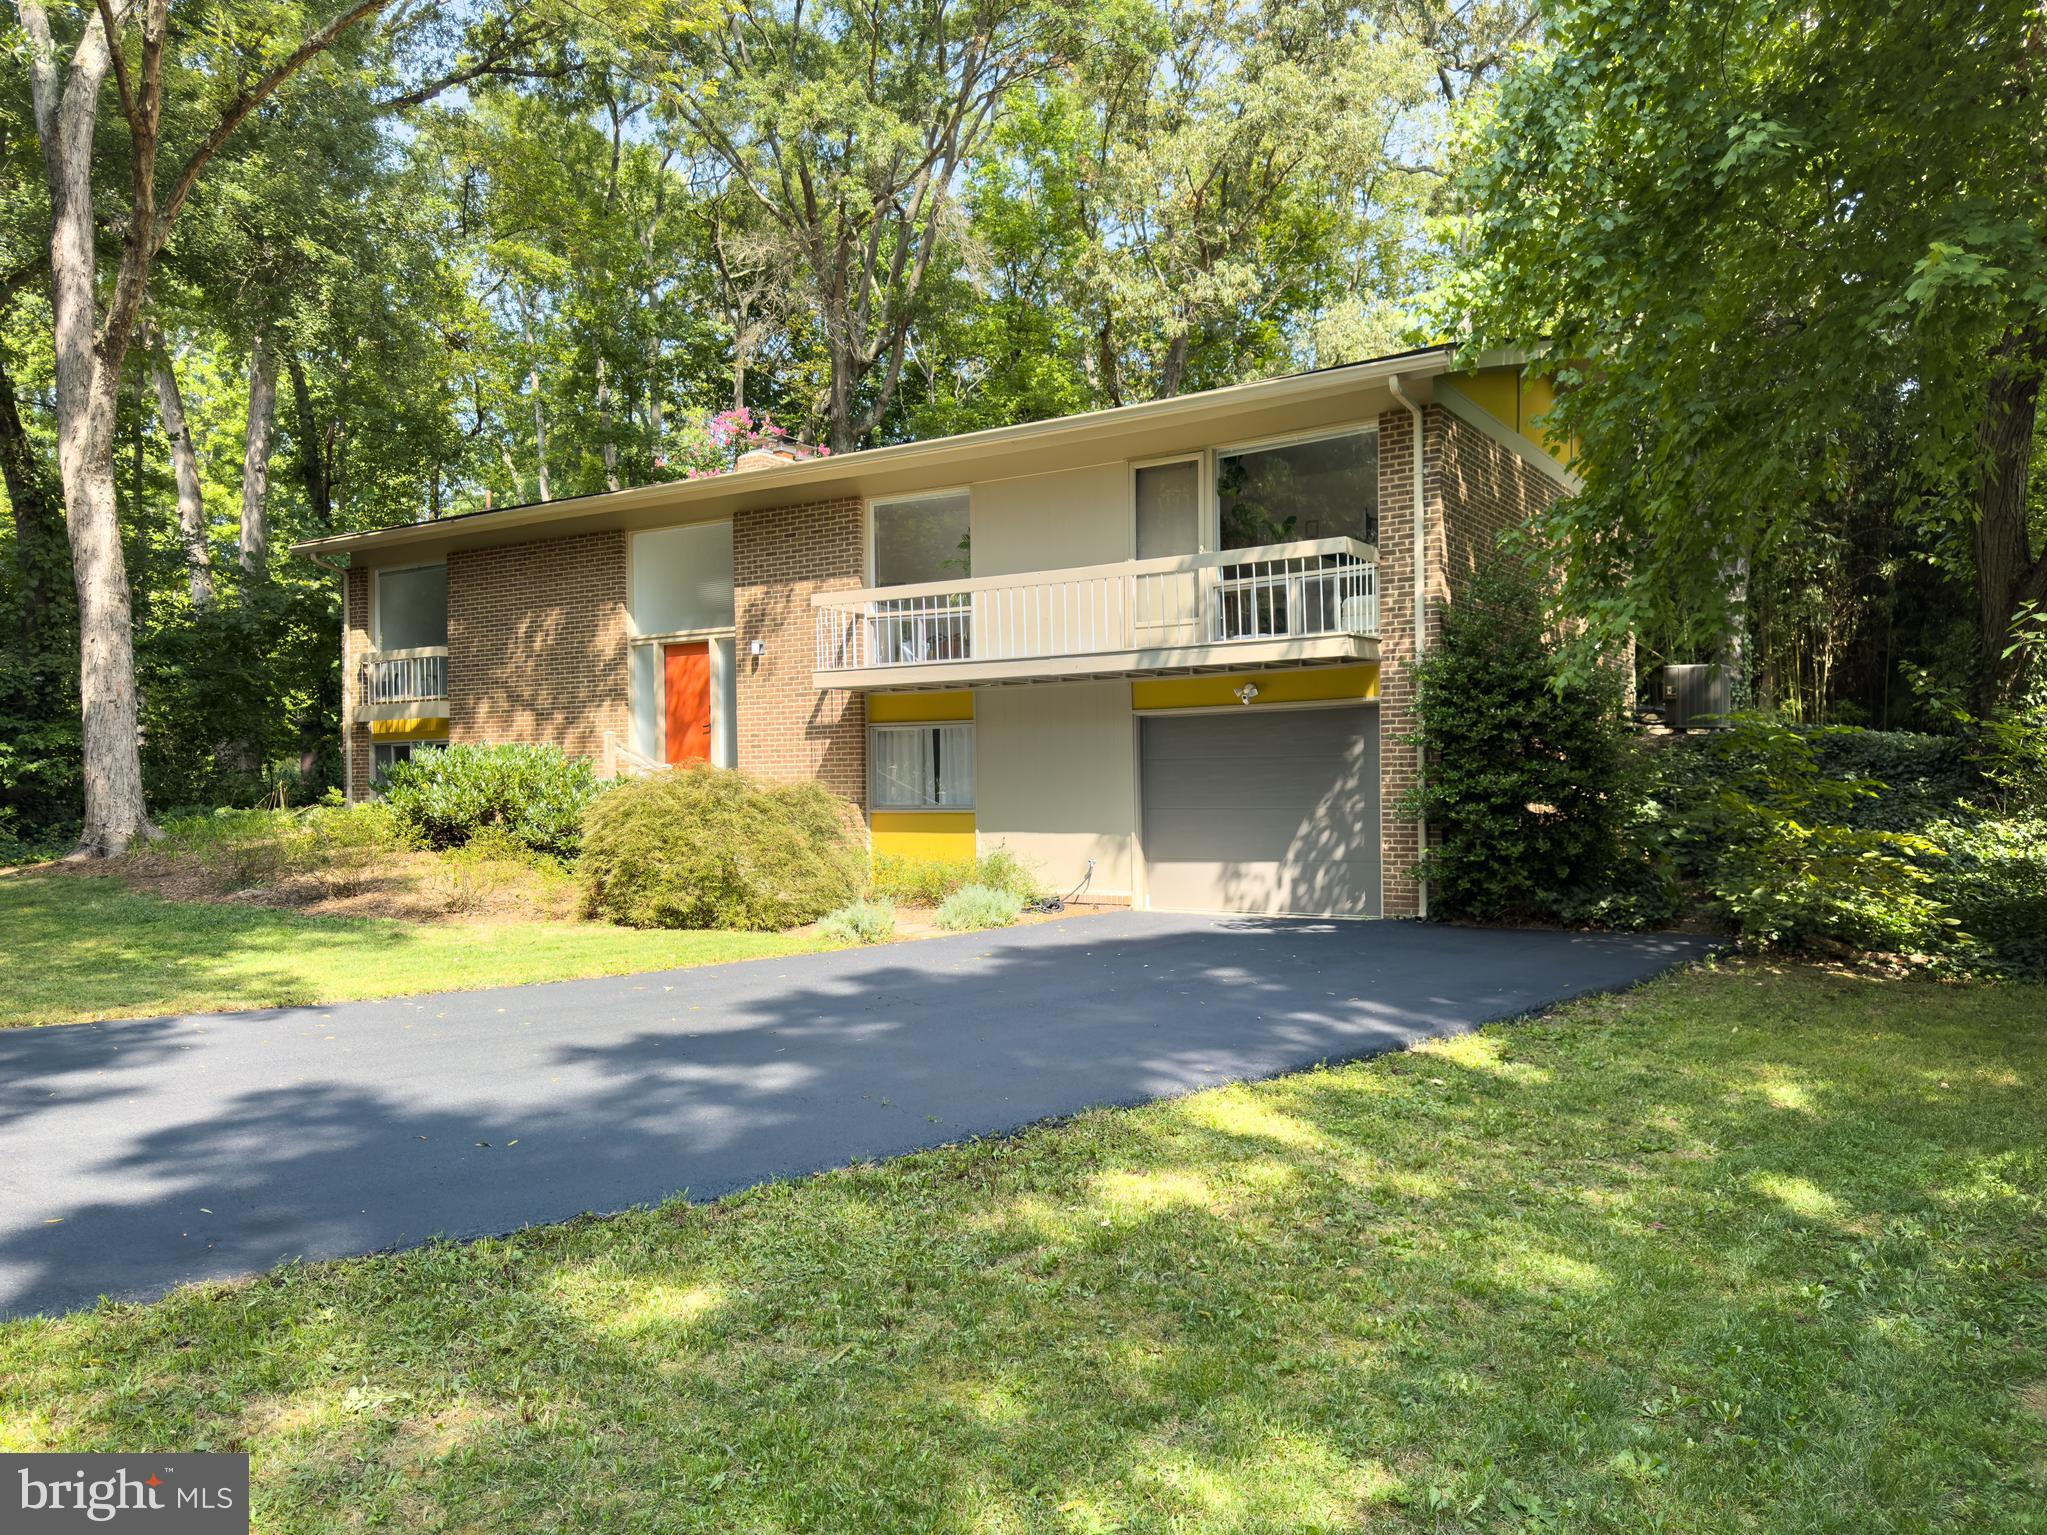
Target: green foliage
column 977, row 906
column 928, row 881
column 708, row 847
column 860, row 922
column 338, row 847
column 536, row 795
column 1719, row 220
column 1877, row 840
column 1524, row 788
column 1772, row 843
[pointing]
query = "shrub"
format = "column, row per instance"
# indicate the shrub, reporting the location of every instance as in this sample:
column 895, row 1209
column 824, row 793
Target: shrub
column 1993, row 882
column 709, row 847
column 928, row 881
column 860, row 922
column 337, row 847
column 1769, row 833
column 978, row 906
column 1525, row 787
column 537, row 794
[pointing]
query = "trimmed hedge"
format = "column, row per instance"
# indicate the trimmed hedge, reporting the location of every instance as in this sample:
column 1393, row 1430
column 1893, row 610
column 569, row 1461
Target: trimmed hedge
column 709, row 847
column 536, row 794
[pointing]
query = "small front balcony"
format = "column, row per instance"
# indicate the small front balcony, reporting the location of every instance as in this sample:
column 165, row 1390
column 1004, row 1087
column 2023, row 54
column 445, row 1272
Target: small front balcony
column 1281, row 604
column 402, row 684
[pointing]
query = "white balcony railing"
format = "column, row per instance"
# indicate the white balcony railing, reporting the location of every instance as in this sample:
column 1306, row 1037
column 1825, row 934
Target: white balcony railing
column 403, row 676
column 1320, row 587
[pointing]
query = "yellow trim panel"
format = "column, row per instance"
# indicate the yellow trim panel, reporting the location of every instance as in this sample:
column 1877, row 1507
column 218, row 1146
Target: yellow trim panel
column 1315, row 684
column 947, row 834
column 410, row 730
column 918, row 708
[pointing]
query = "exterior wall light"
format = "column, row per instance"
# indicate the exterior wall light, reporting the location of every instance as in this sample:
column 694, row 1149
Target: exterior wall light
column 1247, row 692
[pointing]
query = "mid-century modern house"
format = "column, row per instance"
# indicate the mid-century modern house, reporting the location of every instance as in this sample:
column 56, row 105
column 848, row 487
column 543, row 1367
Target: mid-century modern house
column 1163, row 650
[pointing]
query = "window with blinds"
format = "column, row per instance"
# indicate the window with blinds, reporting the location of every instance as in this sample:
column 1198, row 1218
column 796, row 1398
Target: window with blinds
column 920, row 767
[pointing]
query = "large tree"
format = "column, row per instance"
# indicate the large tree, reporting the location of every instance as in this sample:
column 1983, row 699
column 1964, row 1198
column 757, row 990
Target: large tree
column 850, row 126
column 1739, row 228
column 91, row 333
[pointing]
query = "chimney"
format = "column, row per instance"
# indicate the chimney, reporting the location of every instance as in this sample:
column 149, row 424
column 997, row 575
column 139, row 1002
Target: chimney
column 774, row 457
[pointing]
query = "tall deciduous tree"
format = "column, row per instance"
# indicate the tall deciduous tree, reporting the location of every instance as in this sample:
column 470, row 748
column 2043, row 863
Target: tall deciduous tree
column 850, row 125
column 1739, row 225
column 92, row 336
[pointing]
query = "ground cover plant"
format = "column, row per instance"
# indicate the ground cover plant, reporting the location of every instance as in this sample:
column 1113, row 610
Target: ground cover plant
column 1752, row 1250
column 80, row 947
column 977, row 906
column 859, row 922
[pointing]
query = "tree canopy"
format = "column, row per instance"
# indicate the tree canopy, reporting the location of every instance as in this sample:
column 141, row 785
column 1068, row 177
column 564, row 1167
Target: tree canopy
column 1764, row 246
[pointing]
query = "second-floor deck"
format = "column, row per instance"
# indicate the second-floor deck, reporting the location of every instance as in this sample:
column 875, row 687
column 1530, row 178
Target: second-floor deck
column 1316, row 600
column 402, row 684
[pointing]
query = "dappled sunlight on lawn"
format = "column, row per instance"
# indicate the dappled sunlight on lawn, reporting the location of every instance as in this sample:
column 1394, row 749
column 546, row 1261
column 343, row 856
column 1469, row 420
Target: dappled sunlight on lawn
column 1551, row 1277
column 85, row 947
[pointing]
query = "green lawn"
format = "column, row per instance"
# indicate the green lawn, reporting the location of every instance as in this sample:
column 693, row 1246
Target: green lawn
column 1747, row 1250
column 76, row 947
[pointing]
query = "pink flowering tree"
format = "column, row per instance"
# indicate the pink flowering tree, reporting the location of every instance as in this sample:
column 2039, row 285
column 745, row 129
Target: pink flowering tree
column 714, row 444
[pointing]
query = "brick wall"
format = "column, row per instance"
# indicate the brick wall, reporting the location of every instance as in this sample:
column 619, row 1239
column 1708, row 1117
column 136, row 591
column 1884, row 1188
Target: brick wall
column 788, row 729
column 1474, row 488
column 537, row 643
column 1400, row 895
column 355, row 640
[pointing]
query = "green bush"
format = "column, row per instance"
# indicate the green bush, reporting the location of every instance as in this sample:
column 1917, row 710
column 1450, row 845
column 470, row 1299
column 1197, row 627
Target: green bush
column 928, row 881
column 1770, row 834
column 860, row 922
column 536, row 794
column 1993, row 883
column 978, row 906
column 1525, row 788
column 709, row 847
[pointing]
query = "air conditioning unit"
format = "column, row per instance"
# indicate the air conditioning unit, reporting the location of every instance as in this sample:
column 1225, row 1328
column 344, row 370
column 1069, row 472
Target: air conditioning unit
column 1690, row 697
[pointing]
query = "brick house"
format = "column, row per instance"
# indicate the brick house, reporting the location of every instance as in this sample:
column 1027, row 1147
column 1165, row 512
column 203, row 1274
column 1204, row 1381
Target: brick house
column 1162, row 652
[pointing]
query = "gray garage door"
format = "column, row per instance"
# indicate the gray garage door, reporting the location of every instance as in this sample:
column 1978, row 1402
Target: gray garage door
column 1263, row 811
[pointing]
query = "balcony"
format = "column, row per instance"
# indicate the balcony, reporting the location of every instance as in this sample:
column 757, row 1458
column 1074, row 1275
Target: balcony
column 1315, row 601
column 402, row 684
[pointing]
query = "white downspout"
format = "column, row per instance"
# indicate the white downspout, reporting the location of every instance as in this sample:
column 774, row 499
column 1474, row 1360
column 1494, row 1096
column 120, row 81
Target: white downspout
column 1421, row 580
column 327, row 562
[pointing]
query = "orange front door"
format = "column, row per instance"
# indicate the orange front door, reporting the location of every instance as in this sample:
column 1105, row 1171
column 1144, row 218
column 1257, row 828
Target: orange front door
column 686, row 686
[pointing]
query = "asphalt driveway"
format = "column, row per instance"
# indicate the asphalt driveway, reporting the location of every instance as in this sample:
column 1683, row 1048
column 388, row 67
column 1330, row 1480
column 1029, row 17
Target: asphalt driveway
column 138, row 1155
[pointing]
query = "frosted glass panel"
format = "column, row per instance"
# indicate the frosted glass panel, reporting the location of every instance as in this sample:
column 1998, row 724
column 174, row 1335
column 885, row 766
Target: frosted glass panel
column 412, row 607
column 682, row 579
column 1168, row 510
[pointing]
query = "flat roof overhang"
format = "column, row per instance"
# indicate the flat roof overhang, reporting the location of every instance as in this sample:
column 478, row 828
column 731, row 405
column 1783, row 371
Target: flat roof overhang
column 1154, row 428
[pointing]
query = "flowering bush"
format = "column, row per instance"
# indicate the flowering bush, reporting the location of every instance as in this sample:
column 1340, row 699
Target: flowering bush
column 713, row 445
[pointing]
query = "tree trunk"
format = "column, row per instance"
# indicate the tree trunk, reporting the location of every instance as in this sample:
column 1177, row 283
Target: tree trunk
column 256, row 458
column 2007, row 574
column 88, row 367
column 312, row 453
column 38, row 521
column 1174, row 373
column 609, row 450
column 170, row 405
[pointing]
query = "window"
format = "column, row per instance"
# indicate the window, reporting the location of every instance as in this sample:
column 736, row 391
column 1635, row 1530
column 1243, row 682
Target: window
column 1168, row 509
column 1327, row 487
column 926, row 538
column 412, row 607
column 384, row 755
column 920, row 767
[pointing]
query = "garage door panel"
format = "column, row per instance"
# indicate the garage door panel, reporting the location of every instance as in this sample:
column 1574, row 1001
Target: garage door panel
column 1273, row 811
